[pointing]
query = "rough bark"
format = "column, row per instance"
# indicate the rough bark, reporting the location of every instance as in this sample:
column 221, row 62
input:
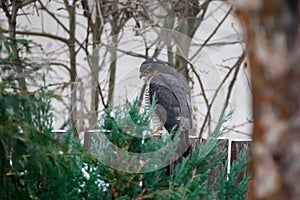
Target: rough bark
column 71, row 8
column 96, row 26
column 272, row 34
column 113, row 66
column 117, row 22
column 188, row 24
column 11, row 12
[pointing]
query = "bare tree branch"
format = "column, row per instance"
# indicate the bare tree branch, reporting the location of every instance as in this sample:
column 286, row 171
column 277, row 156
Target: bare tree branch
column 237, row 66
column 48, row 35
column 212, row 34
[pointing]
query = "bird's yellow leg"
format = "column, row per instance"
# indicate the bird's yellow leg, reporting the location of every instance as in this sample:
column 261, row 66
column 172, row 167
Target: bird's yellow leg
column 157, row 129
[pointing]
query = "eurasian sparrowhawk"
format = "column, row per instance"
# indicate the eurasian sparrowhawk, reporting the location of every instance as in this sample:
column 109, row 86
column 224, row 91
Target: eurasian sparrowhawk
column 173, row 99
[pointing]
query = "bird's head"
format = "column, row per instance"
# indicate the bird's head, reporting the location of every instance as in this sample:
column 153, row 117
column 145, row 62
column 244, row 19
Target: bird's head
column 150, row 68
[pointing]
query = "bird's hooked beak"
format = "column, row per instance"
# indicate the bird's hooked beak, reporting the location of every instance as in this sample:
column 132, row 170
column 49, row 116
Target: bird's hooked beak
column 145, row 76
column 142, row 75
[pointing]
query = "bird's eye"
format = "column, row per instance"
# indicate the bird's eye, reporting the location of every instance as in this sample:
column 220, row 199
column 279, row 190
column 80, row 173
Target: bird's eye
column 147, row 71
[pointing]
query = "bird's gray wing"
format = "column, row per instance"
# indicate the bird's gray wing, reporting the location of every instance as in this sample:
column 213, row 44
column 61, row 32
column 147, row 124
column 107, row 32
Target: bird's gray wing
column 182, row 93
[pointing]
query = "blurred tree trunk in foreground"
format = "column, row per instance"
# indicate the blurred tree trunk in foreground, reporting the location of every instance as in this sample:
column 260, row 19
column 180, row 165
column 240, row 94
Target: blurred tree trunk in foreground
column 272, row 33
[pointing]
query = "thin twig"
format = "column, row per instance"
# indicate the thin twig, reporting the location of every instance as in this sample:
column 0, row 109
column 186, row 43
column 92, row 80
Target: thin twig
column 101, row 95
column 130, row 53
column 59, row 64
column 201, row 84
column 213, row 33
column 236, row 65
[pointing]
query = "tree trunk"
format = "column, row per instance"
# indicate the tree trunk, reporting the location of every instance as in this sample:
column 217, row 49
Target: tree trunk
column 115, row 30
column 272, row 33
column 96, row 30
column 188, row 25
column 73, row 72
column 112, row 68
column 12, row 21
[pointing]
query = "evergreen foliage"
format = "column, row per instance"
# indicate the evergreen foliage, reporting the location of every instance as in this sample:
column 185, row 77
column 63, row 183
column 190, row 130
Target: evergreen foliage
column 192, row 178
column 34, row 165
